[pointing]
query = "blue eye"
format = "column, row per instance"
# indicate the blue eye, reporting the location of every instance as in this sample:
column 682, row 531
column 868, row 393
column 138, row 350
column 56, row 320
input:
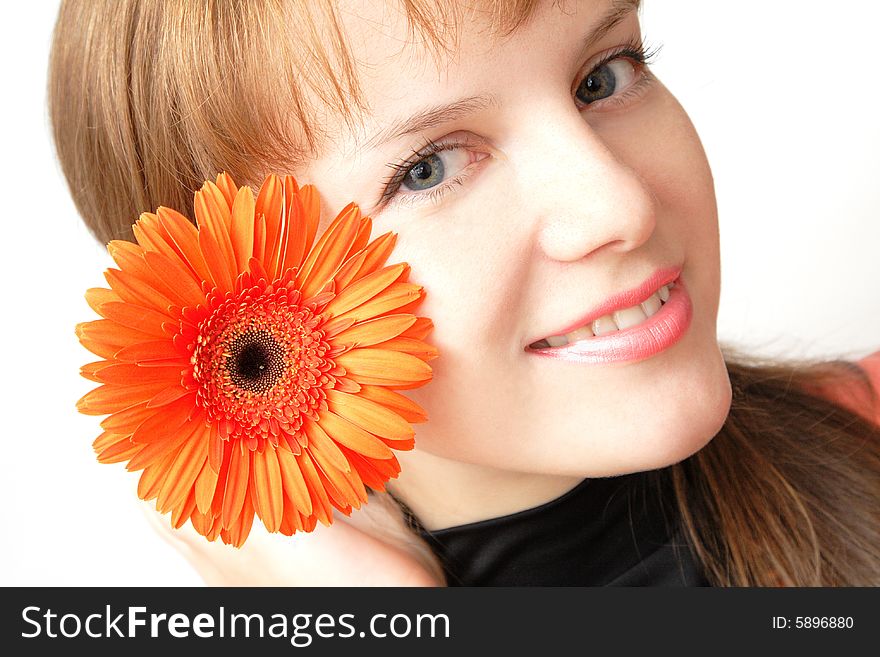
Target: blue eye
column 606, row 80
column 424, row 174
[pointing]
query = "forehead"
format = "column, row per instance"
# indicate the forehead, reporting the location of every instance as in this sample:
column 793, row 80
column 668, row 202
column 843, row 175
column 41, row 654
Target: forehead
column 411, row 52
column 391, row 47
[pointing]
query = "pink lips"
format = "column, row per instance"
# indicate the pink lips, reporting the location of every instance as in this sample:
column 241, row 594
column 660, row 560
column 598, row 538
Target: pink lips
column 658, row 332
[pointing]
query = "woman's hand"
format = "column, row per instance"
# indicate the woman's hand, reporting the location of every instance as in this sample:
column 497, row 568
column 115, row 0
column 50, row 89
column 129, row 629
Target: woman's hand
column 338, row 555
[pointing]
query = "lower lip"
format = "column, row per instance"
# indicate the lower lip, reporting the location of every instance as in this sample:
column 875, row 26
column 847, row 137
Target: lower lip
column 657, row 333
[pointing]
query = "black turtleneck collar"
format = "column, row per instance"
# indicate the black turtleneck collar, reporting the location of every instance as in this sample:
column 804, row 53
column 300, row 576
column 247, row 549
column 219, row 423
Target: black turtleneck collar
column 603, row 532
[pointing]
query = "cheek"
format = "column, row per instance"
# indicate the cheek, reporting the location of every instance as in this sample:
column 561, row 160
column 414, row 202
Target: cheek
column 668, row 156
column 466, row 297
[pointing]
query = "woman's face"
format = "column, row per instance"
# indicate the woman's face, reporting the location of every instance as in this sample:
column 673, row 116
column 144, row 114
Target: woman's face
column 561, row 182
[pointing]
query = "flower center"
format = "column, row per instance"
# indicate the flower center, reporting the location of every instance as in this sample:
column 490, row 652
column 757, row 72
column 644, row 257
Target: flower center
column 255, row 362
column 260, row 363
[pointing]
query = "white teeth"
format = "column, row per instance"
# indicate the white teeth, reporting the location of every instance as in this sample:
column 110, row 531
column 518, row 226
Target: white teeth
column 618, row 320
column 557, row 340
column 603, row 325
column 651, row 305
column 580, row 334
column 629, row 317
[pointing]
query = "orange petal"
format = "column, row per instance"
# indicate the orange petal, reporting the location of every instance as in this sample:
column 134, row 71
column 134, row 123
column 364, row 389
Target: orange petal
column 186, row 467
column 238, row 533
column 345, row 433
column 304, row 212
column 109, row 333
column 268, row 488
column 165, row 421
column 117, row 452
column 330, row 251
column 311, row 204
column 227, row 187
column 95, row 296
column 349, row 497
column 395, row 296
column 186, row 238
column 323, row 509
column 369, row 415
column 133, row 290
column 319, row 441
column 270, row 204
column 222, row 476
column 206, row 525
column 216, row 261
column 216, row 448
column 349, row 269
column 206, row 484
column 364, row 289
column 216, row 212
column 125, row 254
column 111, row 398
column 383, row 367
column 260, row 238
column 278, row 226
column 363, row 236
column 409, row 346
column 294, row 485
column 355, row 483
column 131, row 373
column 236, row 484
column 370, row 470
column 153, row 477
column 128, row 420
column 135, row 317
column 145, row 237
column 130, row 259
column 213, row 214
column 376, row 253
column 403, row 406
column 346, row 385
column 168, row 395
column 336, row 326
column 174, row 274
column 142, row 352
column 106, row 439
column 242, row 231
column 90, row 370
column 375, row 330
column 420, row 330
column 338, row 498
column 168, row 442
column 183, row 511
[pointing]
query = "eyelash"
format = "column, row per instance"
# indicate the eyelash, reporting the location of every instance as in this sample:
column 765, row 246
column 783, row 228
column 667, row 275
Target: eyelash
column 636, row 50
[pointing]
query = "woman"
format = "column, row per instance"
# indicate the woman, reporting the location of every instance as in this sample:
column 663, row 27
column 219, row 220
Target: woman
column 547, row 191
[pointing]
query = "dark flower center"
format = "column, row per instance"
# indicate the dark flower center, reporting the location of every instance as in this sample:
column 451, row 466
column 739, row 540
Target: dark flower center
column 255, row 362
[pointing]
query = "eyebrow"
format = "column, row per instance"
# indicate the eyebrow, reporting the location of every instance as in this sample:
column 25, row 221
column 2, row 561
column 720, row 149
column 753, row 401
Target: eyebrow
column 437, row 115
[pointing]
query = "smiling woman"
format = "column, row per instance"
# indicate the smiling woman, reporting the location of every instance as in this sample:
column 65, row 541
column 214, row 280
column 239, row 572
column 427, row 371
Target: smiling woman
column 552, row 196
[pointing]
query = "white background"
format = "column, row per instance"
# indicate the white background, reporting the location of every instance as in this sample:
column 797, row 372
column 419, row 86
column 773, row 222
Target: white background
column 784, row 95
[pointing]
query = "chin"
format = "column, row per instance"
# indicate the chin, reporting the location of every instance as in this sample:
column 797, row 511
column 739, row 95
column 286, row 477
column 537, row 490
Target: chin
column 673, row 430
column 689, row 426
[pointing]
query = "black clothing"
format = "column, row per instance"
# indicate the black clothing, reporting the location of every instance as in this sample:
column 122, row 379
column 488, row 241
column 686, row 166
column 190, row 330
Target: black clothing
column 603, row 532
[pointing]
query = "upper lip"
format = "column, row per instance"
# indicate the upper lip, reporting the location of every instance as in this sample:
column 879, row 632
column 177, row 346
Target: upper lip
column 621, row 300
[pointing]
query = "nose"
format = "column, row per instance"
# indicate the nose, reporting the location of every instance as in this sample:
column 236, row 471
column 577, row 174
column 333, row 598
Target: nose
column 581, row 194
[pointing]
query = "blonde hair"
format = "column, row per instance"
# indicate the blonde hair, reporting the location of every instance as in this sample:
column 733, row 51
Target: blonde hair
column 149, row 99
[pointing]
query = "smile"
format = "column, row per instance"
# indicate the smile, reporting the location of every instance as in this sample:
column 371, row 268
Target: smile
column 611, row 323
column 629, row 334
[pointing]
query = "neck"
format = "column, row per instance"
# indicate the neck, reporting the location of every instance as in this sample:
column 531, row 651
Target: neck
column 444, row 493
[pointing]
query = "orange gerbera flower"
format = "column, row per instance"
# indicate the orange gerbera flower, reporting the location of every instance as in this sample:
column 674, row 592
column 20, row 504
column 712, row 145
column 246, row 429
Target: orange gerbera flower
column 247, row 370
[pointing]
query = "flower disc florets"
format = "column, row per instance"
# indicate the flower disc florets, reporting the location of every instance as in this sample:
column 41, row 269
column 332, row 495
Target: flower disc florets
column 260, row 362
